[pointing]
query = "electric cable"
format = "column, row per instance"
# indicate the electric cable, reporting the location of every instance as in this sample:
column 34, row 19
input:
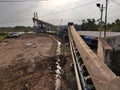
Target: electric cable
column 116, row 2
column 69, row 9
column 11, row 1
column 20, row 20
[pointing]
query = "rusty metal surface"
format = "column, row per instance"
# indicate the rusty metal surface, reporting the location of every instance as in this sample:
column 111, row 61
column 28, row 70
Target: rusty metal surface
column 102, row 77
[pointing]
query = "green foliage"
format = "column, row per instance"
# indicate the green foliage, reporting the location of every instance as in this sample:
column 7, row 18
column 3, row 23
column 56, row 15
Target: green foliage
column 114, row 26
column 2, row 37
column 19, row 27
column 89, row 25
column 3, row 33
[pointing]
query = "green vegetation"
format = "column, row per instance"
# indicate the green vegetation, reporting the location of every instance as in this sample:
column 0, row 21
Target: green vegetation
column 115, row 26
column 92, row 25
column 3, row 33
column 89, row 24
column 22, row 27
column 16, row 29
column 2, row 37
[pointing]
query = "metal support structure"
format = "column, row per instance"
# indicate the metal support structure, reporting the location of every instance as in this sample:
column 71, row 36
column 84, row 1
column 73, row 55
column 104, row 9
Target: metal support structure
column 75, row 67
column 36, row 26
column 103, row 78
column 106, row 18
column 80, row 72
column 41, row 26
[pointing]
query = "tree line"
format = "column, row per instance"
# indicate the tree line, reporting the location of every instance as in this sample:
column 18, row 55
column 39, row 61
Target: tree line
column 87, row 25
column 95, row 25
column 16, row 28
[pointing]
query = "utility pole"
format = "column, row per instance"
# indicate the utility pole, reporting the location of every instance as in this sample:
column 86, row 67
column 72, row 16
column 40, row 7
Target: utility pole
column 106, row 18
column 101, row 18
column 34, row 21
column 101, row 10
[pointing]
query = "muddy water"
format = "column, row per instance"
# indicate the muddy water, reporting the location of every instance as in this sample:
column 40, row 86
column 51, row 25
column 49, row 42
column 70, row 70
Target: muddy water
column 58, row 70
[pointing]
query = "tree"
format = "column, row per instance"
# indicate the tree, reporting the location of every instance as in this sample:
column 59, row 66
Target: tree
column 19, row 27
column 115, row 26
column 89, row 25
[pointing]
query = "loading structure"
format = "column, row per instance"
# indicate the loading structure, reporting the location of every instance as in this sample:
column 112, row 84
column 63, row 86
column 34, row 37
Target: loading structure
column 91, row 72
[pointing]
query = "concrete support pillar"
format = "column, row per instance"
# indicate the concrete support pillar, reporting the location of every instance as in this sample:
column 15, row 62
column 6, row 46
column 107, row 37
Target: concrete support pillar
column 104, row 51
column 107, row 57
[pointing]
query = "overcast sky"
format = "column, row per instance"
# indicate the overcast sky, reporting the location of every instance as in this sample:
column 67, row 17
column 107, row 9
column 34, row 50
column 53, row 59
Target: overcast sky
column 53, row 11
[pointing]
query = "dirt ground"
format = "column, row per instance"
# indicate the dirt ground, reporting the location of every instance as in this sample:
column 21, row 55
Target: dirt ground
column 26, row 61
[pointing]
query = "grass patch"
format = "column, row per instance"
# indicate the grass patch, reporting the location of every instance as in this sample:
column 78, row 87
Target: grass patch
column 2, row 37
column 3, row 33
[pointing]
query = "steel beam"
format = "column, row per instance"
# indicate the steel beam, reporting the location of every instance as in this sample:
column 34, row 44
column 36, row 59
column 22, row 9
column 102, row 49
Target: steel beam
column 45, row 23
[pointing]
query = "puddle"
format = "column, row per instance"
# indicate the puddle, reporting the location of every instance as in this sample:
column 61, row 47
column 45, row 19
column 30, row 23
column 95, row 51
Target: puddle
column 58, row 70
column 28, row 44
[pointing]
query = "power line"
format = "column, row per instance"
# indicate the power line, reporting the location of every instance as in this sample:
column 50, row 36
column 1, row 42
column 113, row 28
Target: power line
column 20, row 20
column 21, row 1
column 69, row 9
column 23, row 10
column 116, row 2
column 12, row 1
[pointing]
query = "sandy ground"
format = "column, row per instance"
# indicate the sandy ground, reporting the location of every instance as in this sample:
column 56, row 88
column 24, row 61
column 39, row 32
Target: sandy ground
column 25, row 48
column 25, row 63
column 29, row 63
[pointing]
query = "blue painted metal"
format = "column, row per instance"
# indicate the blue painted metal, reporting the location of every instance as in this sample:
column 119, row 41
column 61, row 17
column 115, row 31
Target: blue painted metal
column 62, row 32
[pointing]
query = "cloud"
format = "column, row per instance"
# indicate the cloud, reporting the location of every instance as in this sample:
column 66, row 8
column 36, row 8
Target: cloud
column 53, row 11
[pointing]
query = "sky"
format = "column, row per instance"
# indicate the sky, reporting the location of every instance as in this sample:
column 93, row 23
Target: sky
column 20, row 12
